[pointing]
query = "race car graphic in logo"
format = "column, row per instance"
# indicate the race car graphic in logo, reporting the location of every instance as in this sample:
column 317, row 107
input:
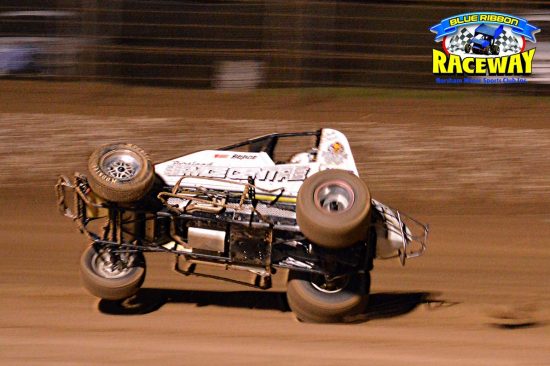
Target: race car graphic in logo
column 484, row 44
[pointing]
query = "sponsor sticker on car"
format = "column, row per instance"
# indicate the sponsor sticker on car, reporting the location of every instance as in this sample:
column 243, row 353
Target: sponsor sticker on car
column 272, row 174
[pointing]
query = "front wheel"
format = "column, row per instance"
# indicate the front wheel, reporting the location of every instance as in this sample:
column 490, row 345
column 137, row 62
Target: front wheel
column 467, row 48
column 120, row 172
column 313, row 299
column 111, row 276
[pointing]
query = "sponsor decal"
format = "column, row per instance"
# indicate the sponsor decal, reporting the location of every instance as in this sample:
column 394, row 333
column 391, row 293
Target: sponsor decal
column 335, row 153
column 483, row 47
column 336, row 148
column 235, row 156
column 243, row 157
column 271, row 174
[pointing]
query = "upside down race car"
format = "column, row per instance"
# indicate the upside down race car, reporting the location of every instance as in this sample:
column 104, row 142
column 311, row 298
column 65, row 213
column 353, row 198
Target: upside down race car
column 244, row 209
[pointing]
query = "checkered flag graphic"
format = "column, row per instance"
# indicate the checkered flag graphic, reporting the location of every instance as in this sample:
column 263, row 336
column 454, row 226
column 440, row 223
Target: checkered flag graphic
column 507, row 42
column 459, row 40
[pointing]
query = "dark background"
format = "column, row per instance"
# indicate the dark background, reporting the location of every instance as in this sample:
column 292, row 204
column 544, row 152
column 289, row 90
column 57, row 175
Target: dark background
column 295, row 43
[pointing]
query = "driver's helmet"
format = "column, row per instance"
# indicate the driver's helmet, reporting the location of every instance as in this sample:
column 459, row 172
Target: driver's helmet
column 302, row 158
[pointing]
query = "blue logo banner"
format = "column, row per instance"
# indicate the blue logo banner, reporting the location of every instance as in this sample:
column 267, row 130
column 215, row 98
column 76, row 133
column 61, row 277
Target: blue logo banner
column 450, row 25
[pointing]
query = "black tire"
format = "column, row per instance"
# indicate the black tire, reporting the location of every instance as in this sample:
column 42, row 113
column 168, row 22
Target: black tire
column 467, row 48
column 333, row 209
column 495, row 49
column 120, row 172
column 310, row 304
column 96, row 278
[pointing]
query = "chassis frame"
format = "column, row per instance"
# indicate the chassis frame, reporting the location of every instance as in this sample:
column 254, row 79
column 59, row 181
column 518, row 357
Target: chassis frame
column 160, row 228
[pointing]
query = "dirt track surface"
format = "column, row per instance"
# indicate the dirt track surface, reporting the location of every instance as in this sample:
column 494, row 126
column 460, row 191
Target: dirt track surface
column 481, row 295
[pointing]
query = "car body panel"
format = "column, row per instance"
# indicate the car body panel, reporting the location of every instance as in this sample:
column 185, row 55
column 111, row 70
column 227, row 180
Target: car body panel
column 333, row 153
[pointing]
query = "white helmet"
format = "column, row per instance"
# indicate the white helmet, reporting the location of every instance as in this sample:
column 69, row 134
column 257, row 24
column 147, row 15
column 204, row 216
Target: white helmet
column 301, row 158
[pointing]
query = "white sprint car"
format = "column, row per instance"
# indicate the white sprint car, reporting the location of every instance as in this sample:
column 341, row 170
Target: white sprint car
column 243, row 207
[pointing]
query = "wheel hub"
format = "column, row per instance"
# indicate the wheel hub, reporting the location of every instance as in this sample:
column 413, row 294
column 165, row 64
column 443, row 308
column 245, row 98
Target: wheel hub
column 334, row 196
column 332, row 286
column 122, row 165
column 103, row 264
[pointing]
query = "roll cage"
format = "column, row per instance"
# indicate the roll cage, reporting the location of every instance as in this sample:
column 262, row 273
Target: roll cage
column 268, row 143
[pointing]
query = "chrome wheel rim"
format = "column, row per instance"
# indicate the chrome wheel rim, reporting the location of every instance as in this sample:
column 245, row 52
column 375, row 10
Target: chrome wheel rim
column 336, row 285
column 103, row 265
column 334, row 197
column 122, row 165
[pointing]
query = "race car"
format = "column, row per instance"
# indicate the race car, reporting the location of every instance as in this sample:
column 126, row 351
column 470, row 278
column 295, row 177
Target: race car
column 483, row 41
column 242, row 208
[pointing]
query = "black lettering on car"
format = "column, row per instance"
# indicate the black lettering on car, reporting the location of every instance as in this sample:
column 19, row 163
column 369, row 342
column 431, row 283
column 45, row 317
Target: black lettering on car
column 243, row 157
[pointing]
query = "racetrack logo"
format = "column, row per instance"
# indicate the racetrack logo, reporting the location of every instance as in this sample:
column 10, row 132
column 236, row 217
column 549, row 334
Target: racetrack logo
column 484, row 44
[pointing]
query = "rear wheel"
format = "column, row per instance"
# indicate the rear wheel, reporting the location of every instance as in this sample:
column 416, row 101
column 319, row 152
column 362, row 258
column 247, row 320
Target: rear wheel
column 314, row 299
column 467, row 48
column 111, row 276
column 333, row 209
column 120, row 172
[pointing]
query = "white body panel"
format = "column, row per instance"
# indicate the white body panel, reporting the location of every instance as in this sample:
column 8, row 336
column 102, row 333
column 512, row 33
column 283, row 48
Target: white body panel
column 334, row 153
